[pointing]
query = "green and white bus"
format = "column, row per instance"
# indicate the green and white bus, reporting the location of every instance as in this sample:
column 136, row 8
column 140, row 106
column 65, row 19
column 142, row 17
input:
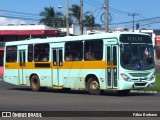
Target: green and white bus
column 98, row 62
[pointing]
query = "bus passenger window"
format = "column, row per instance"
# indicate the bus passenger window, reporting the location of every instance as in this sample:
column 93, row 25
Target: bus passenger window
column 69, row 57
column 89, row 55
column 115, row 55
column 1, row 60
column 74, row 51
column 78, row 57
column 93, row 50
column 30, row 53
column 41, row 52
column 44, row 59
column 11, row 54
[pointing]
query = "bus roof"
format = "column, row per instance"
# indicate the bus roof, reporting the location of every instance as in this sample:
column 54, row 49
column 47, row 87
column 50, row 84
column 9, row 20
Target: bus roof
column 68, row 38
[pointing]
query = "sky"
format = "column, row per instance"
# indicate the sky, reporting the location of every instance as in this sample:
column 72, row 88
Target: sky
column 147, row 11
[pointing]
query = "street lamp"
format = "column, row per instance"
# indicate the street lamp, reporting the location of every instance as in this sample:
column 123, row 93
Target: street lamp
column 60, row 6
column 67, row 16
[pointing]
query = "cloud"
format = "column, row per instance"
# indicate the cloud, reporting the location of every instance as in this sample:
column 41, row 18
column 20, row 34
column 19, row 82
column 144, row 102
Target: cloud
column 6, row 21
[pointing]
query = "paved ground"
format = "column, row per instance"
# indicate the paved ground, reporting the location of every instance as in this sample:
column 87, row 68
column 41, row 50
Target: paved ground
column 19, row 98
column 1, row 77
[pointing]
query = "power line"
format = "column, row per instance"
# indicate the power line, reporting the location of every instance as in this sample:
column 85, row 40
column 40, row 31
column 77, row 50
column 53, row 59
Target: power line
column 23, row 13
column 98, row 2
column 100, row 9
column 32, row 19
column 22, row 18
column 119, row 11
column 142, row 22
column 30, row 16
column 93, row 3
column 155, row 22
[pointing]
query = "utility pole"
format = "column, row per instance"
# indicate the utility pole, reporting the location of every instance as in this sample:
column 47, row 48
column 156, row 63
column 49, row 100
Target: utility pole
column 106, row 15
column 81, row 16
column 67, row 18
column 133, row 15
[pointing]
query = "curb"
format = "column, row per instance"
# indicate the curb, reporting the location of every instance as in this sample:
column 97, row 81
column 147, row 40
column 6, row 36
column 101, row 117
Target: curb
column 141, row 91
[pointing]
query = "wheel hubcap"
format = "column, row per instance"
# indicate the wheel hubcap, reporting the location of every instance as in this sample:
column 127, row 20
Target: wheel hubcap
column 94, row 85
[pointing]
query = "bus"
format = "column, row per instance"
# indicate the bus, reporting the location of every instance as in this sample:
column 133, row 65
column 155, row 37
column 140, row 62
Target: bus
column 108, row 61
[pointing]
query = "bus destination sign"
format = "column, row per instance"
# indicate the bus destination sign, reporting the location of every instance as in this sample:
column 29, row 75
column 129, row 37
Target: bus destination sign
column 134, row 38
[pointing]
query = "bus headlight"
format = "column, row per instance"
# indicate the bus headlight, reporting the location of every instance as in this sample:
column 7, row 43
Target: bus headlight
column 125, row 77
column 152, row 77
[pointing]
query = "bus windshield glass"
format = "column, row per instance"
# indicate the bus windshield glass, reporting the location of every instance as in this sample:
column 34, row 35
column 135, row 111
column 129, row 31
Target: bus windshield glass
column 137, row 53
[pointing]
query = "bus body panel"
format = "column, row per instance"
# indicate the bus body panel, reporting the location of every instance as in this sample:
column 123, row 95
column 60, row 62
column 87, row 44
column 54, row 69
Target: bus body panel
column 75, row 79
column 57, row 71
column 11, row 76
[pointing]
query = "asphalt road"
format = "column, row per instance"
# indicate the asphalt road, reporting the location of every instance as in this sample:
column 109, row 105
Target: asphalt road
column 20, row 98
column 15, row 98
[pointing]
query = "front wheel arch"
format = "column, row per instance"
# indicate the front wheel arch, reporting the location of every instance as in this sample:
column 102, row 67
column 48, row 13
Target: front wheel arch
column 92, row 85
column 35, row 83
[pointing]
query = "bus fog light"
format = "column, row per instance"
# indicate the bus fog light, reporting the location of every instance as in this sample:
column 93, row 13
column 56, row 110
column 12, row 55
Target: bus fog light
column 152, row 85
column 125, row 77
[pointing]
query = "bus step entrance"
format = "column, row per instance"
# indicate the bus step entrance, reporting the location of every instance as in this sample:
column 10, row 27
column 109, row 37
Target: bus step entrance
column 57, row 87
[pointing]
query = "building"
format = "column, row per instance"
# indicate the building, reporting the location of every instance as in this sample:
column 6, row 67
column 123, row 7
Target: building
column 21, row 32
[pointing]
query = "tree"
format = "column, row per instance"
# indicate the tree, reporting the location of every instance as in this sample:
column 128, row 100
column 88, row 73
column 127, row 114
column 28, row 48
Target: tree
column 51, row 18
column 75, row 12
column 89, row 21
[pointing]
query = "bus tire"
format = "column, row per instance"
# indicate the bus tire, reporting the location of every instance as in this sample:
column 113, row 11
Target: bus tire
column 93, row 86
column 35, row 83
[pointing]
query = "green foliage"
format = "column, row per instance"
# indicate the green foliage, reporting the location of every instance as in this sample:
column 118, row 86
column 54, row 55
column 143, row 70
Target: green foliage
column 157, row 84
column 56, row 19
column 52, row 18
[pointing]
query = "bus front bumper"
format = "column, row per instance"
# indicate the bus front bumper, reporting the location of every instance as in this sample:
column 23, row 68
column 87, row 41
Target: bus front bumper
column 136, row 85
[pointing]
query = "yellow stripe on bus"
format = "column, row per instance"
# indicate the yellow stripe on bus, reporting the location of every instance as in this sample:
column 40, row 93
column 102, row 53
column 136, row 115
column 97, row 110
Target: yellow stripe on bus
column 66, row 65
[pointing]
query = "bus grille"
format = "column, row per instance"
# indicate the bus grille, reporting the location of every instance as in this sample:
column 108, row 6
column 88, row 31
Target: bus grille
column 140, row 84
column 139, row 74
column 139, row 79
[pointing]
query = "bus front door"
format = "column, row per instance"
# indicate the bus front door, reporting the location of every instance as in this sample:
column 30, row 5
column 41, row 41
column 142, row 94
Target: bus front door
column 57, row 59
column 111, row 71
column 22, row 63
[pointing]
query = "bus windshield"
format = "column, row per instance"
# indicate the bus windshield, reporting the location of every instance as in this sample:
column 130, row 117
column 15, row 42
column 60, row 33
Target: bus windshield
column 137, row 56
column 136, row 52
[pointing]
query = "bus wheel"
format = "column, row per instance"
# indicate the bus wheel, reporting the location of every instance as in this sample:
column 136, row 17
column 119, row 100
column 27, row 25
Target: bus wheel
column 123, row 92
column 35, row 83
column 93, row 86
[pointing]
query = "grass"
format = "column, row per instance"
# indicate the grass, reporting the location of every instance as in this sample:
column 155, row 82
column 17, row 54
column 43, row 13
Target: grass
column 157, row 84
